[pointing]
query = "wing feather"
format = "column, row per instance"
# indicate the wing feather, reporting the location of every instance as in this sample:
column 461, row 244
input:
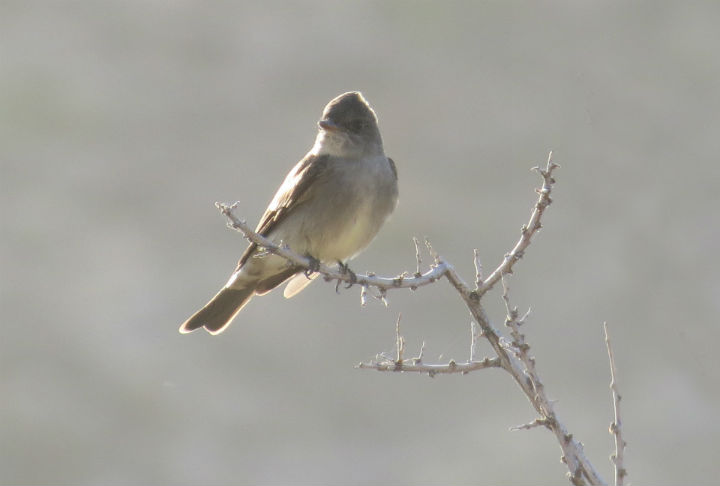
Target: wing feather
column 292, row 192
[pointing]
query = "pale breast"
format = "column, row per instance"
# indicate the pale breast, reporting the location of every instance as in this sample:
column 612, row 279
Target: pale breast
column 350, row 205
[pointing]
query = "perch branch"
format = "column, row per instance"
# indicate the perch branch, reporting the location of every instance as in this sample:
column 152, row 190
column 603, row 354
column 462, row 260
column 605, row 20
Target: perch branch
column 384, row 284
column 512, row 357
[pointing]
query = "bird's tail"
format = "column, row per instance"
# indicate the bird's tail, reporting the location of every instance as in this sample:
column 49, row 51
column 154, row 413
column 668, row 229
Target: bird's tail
column 220, row 311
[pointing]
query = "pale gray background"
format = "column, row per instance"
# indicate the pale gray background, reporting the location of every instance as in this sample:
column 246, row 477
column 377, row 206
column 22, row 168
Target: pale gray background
column 122, row 122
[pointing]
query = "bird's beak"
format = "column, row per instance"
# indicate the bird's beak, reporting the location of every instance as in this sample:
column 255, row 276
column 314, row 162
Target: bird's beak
column 328, row 125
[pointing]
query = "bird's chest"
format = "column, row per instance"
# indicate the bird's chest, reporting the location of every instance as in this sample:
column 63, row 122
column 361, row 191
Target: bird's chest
column 364, row 198
column 363, row 191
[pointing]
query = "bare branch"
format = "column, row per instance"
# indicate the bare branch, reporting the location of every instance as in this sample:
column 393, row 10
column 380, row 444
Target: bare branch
column 418, row 359
column 382, row 283
column 475, row 335
column 478, row 269
column 417, row 256
column 513, row 356
column 437, row 270
column 538, row 422
column 618, row 458
column 581, row 469
column 431, row 250
column 528, row 231
column 412, row 366
column 399, row 342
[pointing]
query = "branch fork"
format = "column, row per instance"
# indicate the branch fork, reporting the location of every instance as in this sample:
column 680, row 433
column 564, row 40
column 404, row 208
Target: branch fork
column 511, row 355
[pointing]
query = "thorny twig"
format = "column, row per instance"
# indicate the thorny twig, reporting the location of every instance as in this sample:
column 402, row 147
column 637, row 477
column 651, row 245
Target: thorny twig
column 616, row 426
column 513, row 358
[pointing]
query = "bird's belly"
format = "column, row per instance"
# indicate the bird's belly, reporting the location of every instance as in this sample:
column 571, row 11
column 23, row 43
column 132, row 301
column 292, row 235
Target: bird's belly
column 351, row 236
column 331, row 232
column 339, row 225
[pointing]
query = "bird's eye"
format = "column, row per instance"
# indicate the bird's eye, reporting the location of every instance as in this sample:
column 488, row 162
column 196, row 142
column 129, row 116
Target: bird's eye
column 358, row 125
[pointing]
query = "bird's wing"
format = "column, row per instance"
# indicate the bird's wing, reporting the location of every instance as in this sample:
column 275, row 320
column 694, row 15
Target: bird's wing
column 292, row 193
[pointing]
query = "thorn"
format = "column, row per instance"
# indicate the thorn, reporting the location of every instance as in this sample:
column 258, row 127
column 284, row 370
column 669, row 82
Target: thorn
column 417, row 256
column 418, row 359
column 431, row 250
column 399, row 341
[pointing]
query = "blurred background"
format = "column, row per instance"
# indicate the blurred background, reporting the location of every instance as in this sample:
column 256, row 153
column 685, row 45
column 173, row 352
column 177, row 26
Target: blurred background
column 121, row 123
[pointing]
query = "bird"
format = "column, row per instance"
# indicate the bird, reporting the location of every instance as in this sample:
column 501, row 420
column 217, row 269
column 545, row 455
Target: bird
column 329, row 208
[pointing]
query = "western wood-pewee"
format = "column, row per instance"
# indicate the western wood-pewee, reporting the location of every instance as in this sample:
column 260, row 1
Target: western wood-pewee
column 330, row 207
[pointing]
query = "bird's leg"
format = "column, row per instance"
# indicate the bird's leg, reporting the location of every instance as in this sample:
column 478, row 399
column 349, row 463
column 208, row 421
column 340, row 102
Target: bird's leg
column 314, row 265
column 345, row 269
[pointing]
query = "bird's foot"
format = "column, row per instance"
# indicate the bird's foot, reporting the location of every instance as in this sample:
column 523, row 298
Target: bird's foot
column 345, row 270
column 314, row 266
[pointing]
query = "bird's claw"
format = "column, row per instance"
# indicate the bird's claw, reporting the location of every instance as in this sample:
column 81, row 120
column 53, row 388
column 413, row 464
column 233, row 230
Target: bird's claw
column 345, row 269
column 313, row 267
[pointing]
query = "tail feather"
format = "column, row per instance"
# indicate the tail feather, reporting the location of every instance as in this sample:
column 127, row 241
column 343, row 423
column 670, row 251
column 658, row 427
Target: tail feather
column 266, row 285
column 220, row 311
column 298, row 283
